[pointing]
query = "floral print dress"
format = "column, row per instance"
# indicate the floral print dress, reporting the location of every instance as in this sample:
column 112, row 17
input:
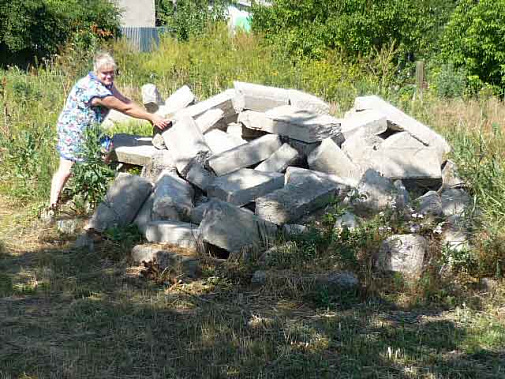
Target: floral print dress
column 78, row 114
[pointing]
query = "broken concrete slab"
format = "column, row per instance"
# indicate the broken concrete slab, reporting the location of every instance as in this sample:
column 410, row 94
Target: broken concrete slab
column 245, row 155
column 455, row 201
column 417, row 129
column 303, row 148
column 199, row 176
column 330, row 159
column 186, row 143
column 450, row 176
column 455, row 234
column 177, row 233
column 375, row 193
column 160, row 162
column 222, row 101
column 308, row 102
column 292, row 122
column 371, row 121
column 177, row 101
column 135, row 155
column 198, row 212
column 402, row 140
column 219, row 141
column 123, row 200
column 296, row 199
column 173, row 198
column 164, row 258
column 360, row 147
column 158, row 142
column 234, row 229
column 244, row 186
column 257, row 97
column 296, row 175
column 429, row 204
column 280, row 160
column 408, row 163
column 144, row 216
column 346, row 221
column 403, row 253
column 211, row 119
column 151, row 97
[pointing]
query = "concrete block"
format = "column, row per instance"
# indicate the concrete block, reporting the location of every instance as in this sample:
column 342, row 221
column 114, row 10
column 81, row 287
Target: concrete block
column 177, row 101
column 122, row 202
column 303, row 148
column 160, row 162
column 402, row 140
column 245, row 185
column 173, row 198
column 186, row 143
column 136, row 155
column 403, row 253
column 450, row 176
column 329, row 158
column 430, row 204
column 308, row 102
column 219, row 141
column 198, row 212
column 360, row 147
column 376, row 193
column 296, row 175
column 211, row 119
column 257, row 97
column 417, row 129
column 223, row 101
column 292, row 122
column 144, row 216
column 200, row 176
column 280, row 160
column 177, row 233
column 244, row 155
column 159, row 142
column 455, row 201
column 295, row 200
column 234, row 229
column 371, row 121
column 408, row 163
column 151, row 97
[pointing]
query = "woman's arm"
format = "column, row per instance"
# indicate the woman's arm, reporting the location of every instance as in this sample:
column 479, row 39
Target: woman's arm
column 119, row 95
column 131, row 109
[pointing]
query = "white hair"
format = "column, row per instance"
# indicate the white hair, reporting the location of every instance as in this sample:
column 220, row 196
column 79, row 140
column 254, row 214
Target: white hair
column 103, row 60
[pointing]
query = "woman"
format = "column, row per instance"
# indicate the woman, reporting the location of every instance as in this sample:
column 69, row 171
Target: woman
column 88, row 103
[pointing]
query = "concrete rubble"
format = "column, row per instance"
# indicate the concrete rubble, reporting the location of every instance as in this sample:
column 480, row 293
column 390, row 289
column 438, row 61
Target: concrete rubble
column 239, row 168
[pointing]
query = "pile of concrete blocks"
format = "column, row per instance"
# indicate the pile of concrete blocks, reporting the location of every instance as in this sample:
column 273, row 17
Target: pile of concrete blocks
column 236, row 169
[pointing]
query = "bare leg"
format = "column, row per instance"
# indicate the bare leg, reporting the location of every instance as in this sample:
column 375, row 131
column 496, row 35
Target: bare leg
column 60, row 177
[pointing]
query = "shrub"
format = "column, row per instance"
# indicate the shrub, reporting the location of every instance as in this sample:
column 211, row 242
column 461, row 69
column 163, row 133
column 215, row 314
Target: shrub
column 475, row 40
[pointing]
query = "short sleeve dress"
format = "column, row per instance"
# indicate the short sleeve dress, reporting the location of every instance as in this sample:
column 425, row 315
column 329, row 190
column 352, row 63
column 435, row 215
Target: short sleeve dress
column 78, row 114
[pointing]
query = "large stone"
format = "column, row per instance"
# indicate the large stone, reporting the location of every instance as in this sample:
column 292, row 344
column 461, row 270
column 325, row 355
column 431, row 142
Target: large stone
column 151, row 97
column 417, row 129
column 292, row 122
column 308, row 102
column 211, row 119
column 144, row 216
column 199, row 176
column 360, row 148
column 177, row 233
column 403, row 253
column 245, row 185
column 372, row 122
column 329, row 158
column 402, row 140
column 186, row 143
column 296, row 199
column 161, row 161
column 280, row 160
column 257, row 97
column 430, row 204
column 455, row 201
column 122, row 202
column 296, row 175
column 198, row 212
column 233, row 229
column 245, row 155
column 173, row 198
column 375, row 193
column 135, row 155
column 222, row 101
column 450, row 176
column 177, row 101
column 219, row 141
column 346, row 221
column 455, row 234
column 187, row 265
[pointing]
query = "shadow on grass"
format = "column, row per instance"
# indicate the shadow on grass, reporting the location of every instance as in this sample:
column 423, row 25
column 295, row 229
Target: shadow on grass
column 75, row 314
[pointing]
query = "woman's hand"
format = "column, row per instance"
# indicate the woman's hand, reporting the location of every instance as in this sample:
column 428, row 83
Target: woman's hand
column 160, row 122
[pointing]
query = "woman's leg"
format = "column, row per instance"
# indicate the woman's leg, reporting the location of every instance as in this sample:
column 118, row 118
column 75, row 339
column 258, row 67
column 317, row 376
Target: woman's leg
column 60, row 177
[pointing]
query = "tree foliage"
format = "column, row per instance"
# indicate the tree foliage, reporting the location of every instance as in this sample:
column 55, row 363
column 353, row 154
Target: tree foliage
column 356, row 27
column 474, row 40
column 34, row 29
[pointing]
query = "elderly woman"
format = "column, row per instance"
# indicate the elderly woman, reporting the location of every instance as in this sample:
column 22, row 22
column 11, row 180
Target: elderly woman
column 88, row 103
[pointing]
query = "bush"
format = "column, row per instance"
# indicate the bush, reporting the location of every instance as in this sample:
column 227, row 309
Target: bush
column 474, row 39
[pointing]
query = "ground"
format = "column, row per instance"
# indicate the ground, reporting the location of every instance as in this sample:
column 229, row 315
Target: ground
column 70, row 313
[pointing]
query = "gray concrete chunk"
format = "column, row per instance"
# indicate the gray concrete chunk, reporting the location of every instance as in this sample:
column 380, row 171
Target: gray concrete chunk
column 234, row 229
column 402, row 140
column 292, row 122
column 222, row 101
column 173, row 198
column 296, row 175
column 211, row 119
column 135, row 155
column 375, row 193
column 245, row 185
column 244, row 155
column 295, row 200
column 199, row 176
column 455, row 201
column 177, row 101
column 144, row 216
column 329, row 158
column 430, row 204
column 280, row 160
column 122, row 202
column 219, row 141
column 257, row 97
column 403, row 253
column 151, row 97
column 186, row 144
column 371, row 121
column 177, row 233
column 308, row 102
column 408, row 163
